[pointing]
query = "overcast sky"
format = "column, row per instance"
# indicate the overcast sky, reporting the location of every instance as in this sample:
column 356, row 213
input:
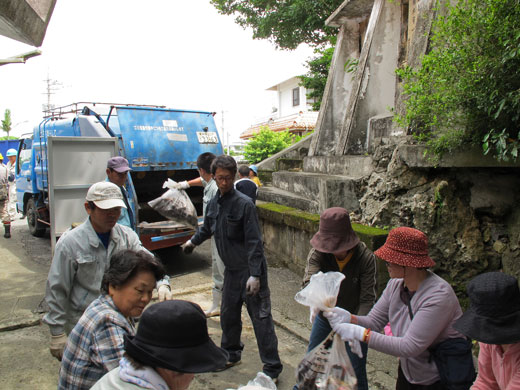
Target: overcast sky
column 178, row 53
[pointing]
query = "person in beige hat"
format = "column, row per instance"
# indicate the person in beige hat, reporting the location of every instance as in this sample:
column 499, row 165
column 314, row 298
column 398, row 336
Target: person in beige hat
column 81, row 257
column 336, row 247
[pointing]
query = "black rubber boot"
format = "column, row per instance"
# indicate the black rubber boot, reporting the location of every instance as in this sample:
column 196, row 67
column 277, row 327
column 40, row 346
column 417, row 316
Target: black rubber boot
column 7, row 228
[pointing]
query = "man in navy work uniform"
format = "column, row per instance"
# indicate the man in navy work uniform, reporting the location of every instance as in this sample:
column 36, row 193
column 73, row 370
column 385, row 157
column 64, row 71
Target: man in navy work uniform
column 245, row 184
column 117, row 173
column 231, row 218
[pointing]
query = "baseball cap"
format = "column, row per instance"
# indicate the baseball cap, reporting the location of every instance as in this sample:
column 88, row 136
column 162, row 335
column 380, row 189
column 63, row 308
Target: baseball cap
column 118, row 164
column 105, row 195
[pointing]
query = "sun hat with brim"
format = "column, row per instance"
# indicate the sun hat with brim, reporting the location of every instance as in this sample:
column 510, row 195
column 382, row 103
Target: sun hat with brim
column 105, row 195
column 335, row 233
column 174, row 335
column 493, row 316
column 407, row 247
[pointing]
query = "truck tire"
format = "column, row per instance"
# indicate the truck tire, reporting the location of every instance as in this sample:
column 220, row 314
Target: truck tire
column 36, row 228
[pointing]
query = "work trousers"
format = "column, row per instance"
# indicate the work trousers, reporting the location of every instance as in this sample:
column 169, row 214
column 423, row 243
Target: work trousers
column 4, row 216
column 217, row 267
column 403, row 384
column 11, row 204
column 259, row 310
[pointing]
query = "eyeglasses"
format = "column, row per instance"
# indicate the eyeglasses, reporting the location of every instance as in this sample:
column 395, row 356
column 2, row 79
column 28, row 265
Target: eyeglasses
column 223, row 178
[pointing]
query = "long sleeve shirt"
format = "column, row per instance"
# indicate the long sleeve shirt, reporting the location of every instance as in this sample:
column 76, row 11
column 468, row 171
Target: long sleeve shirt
column 435, row 308
column 357, row 292
column 232, row 219
column 76, row 272
column 498, row 370
column 95, row 345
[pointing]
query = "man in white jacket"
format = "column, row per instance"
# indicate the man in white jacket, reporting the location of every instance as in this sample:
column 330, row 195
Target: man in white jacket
column 81, row 258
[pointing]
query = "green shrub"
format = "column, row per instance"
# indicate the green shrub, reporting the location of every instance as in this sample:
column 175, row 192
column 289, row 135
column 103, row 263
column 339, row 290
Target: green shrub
column 467, row 90
column 266, row 143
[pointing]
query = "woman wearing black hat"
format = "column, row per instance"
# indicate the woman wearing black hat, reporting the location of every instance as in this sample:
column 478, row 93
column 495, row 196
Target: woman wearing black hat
column 493, row 319
column 171, row 345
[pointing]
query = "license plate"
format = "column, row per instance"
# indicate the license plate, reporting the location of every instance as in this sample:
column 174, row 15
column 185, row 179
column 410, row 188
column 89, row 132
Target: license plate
column 209, row 137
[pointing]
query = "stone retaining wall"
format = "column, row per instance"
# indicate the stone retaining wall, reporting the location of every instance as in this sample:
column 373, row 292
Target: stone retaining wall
column 287, row 232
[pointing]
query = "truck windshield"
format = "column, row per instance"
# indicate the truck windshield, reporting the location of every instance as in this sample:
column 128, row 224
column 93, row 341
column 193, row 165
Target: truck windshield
column 25, row 154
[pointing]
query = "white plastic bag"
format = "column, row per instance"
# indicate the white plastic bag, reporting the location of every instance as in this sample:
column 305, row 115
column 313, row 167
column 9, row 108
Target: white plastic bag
column 261, row 382
column 322, row 290
column 175, row 205
column 327, row 367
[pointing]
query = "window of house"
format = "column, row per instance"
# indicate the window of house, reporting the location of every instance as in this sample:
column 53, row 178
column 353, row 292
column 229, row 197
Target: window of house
column 296, row 97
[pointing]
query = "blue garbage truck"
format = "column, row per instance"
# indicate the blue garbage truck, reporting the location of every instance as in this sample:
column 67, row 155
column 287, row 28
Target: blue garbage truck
column 67, row 152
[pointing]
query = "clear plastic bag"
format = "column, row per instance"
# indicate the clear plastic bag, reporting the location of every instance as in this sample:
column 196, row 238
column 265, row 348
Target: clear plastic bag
column 261, row 382
column 327, row 367
column 322, row 290
column 175, row 205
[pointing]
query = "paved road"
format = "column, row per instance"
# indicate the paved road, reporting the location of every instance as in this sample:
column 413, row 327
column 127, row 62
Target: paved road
column 25, row 362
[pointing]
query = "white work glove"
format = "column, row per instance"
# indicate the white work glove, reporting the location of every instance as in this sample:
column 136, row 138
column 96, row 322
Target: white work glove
column 57, row 345
column 188, row 247
column 314, row 312
column 164, row 292
column 253, row 285
column 337, row 316
column 182, row 185
column 353, row 334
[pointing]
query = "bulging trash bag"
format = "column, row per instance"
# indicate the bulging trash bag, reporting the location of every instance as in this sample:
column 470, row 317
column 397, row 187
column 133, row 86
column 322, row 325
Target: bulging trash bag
column 175, row 205
column 322, row 290
column 327, row 367
column 261, row 382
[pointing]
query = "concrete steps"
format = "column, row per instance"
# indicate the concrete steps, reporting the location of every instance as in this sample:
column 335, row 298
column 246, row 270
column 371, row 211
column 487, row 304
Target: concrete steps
column 326, row 181
column 355, row 166
column 276, row 195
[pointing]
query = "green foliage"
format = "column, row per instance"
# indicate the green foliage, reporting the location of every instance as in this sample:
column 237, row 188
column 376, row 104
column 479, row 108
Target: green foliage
column 285, row 23
column 316, row 77
column 6, row 122
column 231, row 152
column 266, row 143
column 468, row 88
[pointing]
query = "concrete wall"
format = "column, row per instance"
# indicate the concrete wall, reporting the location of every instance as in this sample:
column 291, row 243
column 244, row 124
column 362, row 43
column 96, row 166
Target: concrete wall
column 337, row 91
column 378, row 88
column 287, row 233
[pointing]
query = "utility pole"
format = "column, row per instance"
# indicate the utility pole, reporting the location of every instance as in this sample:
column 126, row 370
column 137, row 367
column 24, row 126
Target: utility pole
column 225, row 135
column 51, row 86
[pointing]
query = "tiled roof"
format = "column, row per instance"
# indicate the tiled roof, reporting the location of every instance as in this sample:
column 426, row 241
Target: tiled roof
column 296, row 122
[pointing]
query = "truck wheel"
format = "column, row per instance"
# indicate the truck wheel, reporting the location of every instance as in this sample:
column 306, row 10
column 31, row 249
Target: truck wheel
column 36, row 228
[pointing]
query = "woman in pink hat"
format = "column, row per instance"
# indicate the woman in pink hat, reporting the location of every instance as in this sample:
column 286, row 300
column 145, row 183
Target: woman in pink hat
column 420, row 306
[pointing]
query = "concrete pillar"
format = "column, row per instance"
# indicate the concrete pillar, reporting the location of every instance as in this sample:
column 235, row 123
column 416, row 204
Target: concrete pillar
column 25, row 20
column 337, row 91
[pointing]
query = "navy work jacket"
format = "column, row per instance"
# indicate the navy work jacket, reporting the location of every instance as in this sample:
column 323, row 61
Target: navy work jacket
column 232, row 219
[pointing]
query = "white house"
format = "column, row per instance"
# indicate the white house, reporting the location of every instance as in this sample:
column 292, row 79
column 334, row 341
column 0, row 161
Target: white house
column 294, row 112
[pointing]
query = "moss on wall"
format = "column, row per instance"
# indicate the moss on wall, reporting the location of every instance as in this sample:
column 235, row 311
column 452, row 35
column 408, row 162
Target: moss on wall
column 371, row 236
